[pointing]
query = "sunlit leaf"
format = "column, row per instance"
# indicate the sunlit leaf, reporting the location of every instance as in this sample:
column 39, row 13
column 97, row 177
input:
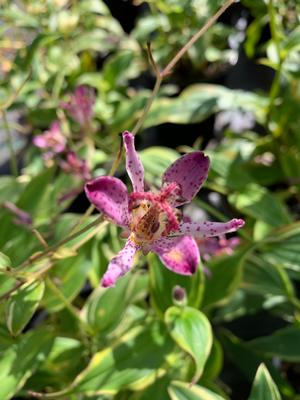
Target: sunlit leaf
column 21, row 360
column 191, row 330
column 105, row 308
column 134, row 362
column 264, row 387
column 4, row 261
column 259, row 203
column 183, row 391
column 22, row 304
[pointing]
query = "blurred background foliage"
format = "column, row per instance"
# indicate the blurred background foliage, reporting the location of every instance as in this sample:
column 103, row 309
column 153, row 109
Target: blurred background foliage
column 236, row 95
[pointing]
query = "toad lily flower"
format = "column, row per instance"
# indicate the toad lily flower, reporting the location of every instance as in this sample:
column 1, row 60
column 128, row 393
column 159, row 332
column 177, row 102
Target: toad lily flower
column 152, row 218
column 80, row 105
column 75, row 166
column 52, row 140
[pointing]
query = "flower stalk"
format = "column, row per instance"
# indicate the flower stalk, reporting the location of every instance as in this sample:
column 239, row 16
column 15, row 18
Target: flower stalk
column 160, row 75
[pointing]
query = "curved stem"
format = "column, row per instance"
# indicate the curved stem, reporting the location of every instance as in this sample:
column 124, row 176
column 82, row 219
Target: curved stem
column 197, row 36
column 140, row 122
column 167, row 70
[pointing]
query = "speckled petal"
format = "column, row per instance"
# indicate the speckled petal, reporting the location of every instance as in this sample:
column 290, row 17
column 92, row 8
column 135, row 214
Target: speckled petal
column 208, row 228
column 120, row 264
column 134, row 165
column 179, row 254
column 190, row 172
column 110, row 196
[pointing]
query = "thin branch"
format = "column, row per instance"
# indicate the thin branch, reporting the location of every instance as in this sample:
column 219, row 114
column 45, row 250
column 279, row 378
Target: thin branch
column 12, row 290
column 117, row 159
column 167, row 70
column 52, row 249
column 40, row 238
column 148, row 105
column 197, row 36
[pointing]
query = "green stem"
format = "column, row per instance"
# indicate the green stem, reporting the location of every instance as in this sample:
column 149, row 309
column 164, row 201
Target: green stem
column 9, row 142
column 82, row 219
column 196, row 37
column 53, row 248
column 72, row 310
column 154, row 93
column 167, row 70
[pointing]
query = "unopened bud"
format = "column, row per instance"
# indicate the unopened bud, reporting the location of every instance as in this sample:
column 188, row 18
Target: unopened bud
column 179, row 295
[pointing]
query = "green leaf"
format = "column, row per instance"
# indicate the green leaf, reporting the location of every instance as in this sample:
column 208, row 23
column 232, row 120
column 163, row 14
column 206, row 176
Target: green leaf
column 284, row 343
column 136, row 361
column 61, row 367
column 22, row 304
column 191, row 330
column 163, row 281
column 199, row 101
column 105, row 308
column 93, row 6
column 118, row 69
column 69, row 276
column 157, row 391
column 214, row 363
column 264, row 387
column 10, row 188
column 6, row 340
column 282, row 247
column 35, row 194
column 238, row 350
column 292, row 42
column 266, row 279
column 21, row 360
column 183, row 391
column 260, row 204
column 4, row 261
column 156, row 160
column 225, row 278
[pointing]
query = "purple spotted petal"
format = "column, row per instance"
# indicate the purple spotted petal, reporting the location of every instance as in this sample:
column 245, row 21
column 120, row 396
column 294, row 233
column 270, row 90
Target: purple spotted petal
column 110, row 196
column 134, row 166
column 190, row 172
column 120, row 264
column 179, row 254
column 208, row 228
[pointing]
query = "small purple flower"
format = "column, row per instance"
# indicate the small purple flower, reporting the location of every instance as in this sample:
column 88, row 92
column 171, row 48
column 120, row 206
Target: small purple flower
column 75, row 166
column 153, row 219
column 80, row 105
column 52, row 140
column 215, row 246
